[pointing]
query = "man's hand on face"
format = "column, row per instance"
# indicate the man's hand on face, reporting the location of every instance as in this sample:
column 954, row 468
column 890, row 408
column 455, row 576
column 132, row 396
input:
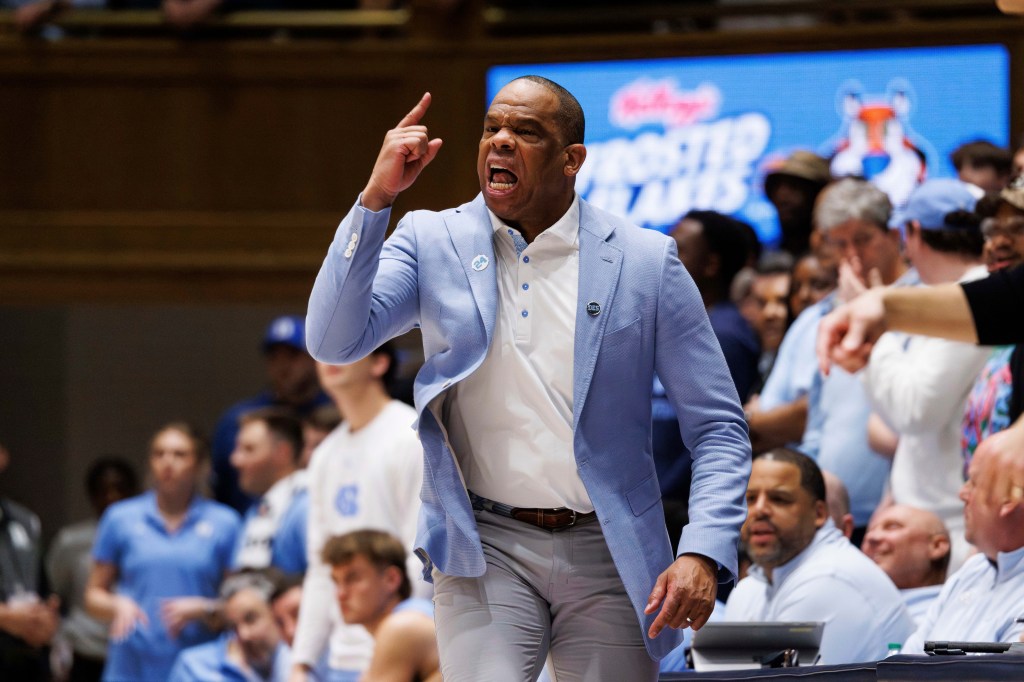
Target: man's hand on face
column 686, row 593
column 406, row 151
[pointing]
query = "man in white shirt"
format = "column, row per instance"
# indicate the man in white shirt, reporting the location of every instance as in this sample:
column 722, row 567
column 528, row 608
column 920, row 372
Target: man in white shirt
column 366, row 474
column 919, row 384
column 984, row 600
column 912, row 547
column 266, row 455
column 806, row 570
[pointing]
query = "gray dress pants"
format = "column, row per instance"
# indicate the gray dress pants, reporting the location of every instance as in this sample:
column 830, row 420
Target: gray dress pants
column 544, row 593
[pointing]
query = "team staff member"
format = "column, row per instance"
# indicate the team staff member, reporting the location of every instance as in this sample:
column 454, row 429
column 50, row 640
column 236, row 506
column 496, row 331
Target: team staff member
column 159, row 559
column 543, row 320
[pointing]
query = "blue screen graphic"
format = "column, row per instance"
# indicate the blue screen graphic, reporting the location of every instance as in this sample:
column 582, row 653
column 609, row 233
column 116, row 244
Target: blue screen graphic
column 669, row 135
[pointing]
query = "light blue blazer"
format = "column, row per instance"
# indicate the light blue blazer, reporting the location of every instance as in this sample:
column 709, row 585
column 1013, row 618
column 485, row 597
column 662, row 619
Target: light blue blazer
column 651, row 320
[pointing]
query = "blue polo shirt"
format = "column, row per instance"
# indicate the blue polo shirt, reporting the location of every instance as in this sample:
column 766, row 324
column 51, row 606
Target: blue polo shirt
column 209, row 663
column 154, row 565
column 288, row 552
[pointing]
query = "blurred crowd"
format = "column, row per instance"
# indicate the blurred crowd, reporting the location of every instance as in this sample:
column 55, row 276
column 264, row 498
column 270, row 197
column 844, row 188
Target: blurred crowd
column 281, row 551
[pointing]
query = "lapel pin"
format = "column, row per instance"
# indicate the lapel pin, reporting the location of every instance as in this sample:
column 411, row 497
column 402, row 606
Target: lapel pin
column 593, row 309
column 480, row 262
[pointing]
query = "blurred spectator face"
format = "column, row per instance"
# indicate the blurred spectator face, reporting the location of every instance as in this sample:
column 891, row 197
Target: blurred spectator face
column 1018, row 162
column 311, row 438
column 256, row 458
column 173, row 462
column 812, row 281
column 291, row 372
column 782, row 517
column 339, row 378
column 1004, row 238
column 982, row 520
column 364, row 590
column 769, row 293
column 793, row 199
column 249, row 617
column 872, row 245
column 985, row 177
column 113, row 487
column 905, row 543
column 286, row 612
column 693, row 250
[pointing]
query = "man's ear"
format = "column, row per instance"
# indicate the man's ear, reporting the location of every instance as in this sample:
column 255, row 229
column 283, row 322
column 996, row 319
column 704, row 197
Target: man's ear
column 575, row 155
column 393, row 578
column 938, row 546
column 820, row 513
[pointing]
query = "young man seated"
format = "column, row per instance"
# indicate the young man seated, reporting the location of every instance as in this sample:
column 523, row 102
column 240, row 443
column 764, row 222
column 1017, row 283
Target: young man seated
column 368, row 569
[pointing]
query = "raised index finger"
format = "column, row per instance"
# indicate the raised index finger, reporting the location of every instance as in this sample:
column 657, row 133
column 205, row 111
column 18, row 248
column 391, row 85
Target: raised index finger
column 414, row 116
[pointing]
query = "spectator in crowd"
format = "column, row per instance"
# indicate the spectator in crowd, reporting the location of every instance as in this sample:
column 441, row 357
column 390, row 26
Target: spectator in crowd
column 792, row 187
column 291, row 374
column 373, row 590
column 316, row 426
column 770, row 292
column 158, row 560
column 366, row 474
column 919, row 384
column 814, row 278
column 984, row 600
column 983, row 164
column 837, row 500
column 997, row 398
column 713, row 247
column 853, row 217
column 69, row 562
column 285, row 604
column 274, row 527
column 912, row 547
column 28, row 620
column 805, row 570
column 252, row 648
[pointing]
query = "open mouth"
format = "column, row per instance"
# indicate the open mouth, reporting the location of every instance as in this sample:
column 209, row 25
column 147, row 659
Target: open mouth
column 500, row 178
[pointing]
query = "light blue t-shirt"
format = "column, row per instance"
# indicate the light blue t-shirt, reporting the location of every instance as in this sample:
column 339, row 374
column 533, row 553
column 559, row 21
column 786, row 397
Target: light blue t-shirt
column 153, row 566
column 796, row 363
column 209, row 663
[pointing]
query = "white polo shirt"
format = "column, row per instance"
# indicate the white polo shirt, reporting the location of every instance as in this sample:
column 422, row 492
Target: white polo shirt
column 510, row 421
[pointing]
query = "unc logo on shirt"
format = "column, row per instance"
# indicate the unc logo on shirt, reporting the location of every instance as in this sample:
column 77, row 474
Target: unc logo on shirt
column 346, row 501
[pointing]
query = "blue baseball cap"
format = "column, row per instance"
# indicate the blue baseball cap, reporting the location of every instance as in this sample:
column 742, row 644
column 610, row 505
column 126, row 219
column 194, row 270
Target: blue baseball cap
column 288, row 330
column 933, row 200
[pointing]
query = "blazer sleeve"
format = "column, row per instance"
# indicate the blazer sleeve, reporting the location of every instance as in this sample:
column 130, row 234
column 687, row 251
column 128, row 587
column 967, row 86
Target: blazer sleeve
column 366, row 291
column 692, row 368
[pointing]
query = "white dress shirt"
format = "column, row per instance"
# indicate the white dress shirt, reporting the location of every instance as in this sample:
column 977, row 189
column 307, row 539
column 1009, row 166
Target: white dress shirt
column 510, row 422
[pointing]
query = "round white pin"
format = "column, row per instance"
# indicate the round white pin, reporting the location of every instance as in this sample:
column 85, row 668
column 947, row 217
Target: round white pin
column 480, row 262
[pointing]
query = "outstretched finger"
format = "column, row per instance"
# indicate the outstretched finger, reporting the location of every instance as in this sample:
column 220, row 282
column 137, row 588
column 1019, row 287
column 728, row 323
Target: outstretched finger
column 417, row 112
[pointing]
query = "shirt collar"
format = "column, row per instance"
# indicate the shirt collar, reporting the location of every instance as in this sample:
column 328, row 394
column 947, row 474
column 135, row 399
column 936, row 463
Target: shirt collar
column 152, row 512
column 1009, row 565
column 566, row 228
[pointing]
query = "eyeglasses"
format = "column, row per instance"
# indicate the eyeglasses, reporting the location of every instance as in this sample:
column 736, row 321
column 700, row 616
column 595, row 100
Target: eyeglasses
column 1012, row 228
column 859, row 241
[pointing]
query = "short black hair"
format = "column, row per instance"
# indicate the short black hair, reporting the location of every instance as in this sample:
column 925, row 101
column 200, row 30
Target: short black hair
column 387, row 349
column 775, row 263
column 983, row 154
column 967, row 240
column 570, row 114
column 726, row 237
column 811, row 479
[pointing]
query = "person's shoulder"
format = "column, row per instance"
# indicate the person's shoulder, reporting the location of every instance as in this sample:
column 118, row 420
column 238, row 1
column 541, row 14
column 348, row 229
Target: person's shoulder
column 218, row 513
column 622, row 229
column 23, row 516
column 474, row 209
column 132, row 507
column 405, row 627
column 197, row 663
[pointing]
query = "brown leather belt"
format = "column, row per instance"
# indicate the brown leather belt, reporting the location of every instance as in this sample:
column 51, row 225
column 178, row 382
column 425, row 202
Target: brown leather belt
column 558, row 518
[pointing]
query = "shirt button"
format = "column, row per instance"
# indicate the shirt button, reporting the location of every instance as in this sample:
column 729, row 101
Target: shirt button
column 526, row 259
column 526, row 287
column 510, row 232
column 525, row 313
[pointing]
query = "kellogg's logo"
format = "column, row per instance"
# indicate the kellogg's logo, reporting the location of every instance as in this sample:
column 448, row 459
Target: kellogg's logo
column 646, row 101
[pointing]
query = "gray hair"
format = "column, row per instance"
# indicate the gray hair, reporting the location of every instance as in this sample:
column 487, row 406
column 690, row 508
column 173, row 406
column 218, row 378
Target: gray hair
column 261, row 582
column 851, row 199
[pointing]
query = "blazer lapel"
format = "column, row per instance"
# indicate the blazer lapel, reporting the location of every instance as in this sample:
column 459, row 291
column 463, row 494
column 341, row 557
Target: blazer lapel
column 470, row 230
column 600, row 263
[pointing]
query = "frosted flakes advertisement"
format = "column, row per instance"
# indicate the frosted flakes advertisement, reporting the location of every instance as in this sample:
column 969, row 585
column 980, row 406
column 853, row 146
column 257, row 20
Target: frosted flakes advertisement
column 669, row 135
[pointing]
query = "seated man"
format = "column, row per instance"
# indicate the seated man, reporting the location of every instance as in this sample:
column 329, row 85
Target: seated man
column 983, row 601
column 368, row 569
column 252, row 648
column 912, row 547
column 805, row 570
